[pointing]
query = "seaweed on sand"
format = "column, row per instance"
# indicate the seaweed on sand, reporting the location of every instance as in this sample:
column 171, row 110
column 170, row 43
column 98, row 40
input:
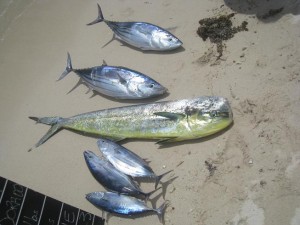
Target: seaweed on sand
column 219, row 29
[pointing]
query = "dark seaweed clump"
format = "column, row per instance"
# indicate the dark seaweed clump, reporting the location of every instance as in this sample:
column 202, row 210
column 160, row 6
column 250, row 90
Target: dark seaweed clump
column 210, row 167
column 219, row 29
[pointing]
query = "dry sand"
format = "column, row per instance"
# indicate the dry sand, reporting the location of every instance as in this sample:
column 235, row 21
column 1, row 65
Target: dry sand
column 257, row 160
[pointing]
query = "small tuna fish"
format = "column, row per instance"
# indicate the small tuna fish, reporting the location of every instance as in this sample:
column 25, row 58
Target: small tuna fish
column 168, row 121
column 117, row 82
column 122, row 204
column 141, row 35
column 127, row 161
column 111, row 178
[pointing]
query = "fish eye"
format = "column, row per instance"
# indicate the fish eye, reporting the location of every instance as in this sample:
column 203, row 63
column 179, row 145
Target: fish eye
column 170, row 39
column 100, row 195
column 104, row 199
column 151, row 85
column 213, row 113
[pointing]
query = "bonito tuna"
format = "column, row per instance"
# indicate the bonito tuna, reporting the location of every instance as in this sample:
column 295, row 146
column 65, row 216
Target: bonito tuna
column 117, row 82
column 123, row 205
column 167, row 121
column 145, row 36
column 127, row 161
column 111, row 178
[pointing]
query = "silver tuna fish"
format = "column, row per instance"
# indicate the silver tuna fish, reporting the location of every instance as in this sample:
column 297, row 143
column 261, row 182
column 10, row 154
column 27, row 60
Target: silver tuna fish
column 123, row 205
column 111, row 178
column 141, row 35
column 127, row 161
column 117, row 82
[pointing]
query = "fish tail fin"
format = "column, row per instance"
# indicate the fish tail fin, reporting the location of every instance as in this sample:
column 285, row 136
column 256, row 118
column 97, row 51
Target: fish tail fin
column 68, row 69
column 158, row 178
column 100, row 17
column 56, row 124
column 147, row 195
column 161, row 211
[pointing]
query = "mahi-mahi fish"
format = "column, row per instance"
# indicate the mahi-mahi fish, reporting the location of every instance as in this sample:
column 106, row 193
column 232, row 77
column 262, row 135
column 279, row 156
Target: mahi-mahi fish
column 166, row 121
column 116, row 81
column 145, row 36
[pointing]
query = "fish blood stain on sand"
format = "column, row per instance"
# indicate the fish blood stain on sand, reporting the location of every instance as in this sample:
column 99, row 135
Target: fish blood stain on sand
column 20, row 205
column 219, row 29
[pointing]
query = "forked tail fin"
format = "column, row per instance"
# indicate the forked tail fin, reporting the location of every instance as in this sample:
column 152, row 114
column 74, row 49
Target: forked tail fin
column 158, row 178
column 100, row 17
column 68, row 69
column 161, row 211
column 56, row 124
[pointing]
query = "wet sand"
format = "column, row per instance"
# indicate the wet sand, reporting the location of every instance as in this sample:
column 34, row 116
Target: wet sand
column 256, row 177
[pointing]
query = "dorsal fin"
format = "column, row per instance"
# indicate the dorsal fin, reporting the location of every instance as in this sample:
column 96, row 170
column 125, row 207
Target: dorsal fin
column 171, row 116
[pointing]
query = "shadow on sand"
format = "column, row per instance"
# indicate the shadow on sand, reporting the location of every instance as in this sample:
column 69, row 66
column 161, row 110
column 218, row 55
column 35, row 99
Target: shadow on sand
column 265, row 10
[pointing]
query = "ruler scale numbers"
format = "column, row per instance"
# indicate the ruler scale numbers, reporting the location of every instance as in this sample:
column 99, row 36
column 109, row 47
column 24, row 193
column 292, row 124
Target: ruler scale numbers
column 20, row 205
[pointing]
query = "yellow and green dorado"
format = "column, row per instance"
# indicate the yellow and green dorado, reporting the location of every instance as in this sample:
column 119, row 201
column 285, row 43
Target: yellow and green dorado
column 167, row 121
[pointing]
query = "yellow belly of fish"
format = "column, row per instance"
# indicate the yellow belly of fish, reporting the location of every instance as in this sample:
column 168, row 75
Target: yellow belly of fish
column 120, row 128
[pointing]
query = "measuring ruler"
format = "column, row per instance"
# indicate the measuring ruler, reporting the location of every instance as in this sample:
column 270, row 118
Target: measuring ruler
column 20, row 205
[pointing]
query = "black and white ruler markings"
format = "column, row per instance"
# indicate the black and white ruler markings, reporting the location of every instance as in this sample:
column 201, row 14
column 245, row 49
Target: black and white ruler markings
column 20, row 205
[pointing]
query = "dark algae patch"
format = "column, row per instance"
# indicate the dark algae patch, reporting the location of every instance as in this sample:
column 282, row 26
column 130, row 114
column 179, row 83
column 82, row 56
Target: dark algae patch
column 219, row 29
column 211, row 168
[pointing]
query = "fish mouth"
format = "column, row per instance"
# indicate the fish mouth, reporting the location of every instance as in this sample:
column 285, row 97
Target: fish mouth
column 226, row 111
column 176, row 45
column 223, row 108
column 163, row 90
column 88, row 196
column 89, row 155
column 166, row 90
column 225, row 115
column 157, row 92
column 179, row 43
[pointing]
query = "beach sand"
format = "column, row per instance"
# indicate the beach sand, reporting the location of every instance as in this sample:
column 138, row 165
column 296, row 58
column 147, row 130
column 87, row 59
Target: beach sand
column 254, row 174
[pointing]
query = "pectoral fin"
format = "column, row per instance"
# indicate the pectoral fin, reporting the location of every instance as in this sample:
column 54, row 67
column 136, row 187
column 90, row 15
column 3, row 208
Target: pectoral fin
column 170, row 140
column 122, row 80
column 126, row 189
column 171, row 116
